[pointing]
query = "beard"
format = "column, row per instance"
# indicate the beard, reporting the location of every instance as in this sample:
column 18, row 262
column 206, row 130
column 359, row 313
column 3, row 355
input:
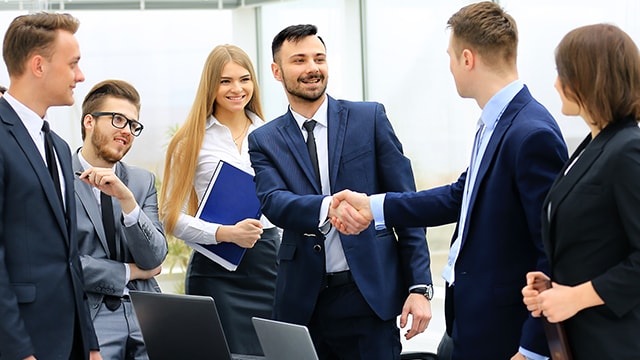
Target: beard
column 309, row 95
column 100, row 143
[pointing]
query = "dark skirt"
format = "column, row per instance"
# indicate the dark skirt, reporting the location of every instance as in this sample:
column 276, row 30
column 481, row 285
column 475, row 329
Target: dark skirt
column 240, row 294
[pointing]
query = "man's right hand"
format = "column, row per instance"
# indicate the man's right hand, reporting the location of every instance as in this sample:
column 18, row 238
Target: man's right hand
column 350, row 212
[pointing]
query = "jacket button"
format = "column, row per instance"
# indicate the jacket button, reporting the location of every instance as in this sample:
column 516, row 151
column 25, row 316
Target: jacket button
column 317, row 248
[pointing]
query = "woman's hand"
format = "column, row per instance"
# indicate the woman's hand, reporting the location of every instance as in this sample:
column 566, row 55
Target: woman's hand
column 244, row 233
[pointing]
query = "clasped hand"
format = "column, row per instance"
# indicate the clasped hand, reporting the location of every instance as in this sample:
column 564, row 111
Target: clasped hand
column 350, row 212
column 556, row 304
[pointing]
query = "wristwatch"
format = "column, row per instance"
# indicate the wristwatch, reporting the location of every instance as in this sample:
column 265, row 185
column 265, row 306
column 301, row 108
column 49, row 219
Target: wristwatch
column 427, row 291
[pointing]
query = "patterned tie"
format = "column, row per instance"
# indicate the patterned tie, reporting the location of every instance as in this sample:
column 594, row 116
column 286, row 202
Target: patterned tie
column 50, row 156
column 309, row 125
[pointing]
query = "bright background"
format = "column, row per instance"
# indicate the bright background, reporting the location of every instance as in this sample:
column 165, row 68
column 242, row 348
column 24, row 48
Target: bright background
column 390, row 51
column 393, row 52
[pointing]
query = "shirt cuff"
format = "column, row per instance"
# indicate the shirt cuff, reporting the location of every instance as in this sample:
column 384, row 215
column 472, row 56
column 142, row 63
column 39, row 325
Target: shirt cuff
column 324, row 210
column 530, row 355
column 127, row 278
column 417, row 286
column 376, row 202
column 131, row 218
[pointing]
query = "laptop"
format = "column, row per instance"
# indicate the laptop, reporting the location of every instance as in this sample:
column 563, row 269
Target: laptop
column 182, row 327
column 284, row 341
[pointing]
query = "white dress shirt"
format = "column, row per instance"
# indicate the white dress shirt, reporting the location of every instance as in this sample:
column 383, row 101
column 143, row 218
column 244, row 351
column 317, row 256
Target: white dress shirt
column 335, row 259
column 217, row 145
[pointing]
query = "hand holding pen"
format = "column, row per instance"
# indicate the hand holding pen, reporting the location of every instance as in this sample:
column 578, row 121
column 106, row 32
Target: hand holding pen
column 108, row 182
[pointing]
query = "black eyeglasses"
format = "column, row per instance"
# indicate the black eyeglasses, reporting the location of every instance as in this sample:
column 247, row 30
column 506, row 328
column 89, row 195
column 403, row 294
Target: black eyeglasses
column 119, row 121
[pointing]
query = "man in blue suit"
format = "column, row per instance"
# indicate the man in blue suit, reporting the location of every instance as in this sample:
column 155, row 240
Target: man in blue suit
column 43, row 309
column 349, row 290
column 497, row 202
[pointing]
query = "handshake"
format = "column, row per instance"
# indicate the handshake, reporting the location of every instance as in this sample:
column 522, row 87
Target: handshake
column 350, row 212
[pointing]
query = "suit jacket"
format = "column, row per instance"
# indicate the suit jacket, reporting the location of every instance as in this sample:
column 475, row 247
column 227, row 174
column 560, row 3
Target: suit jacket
column 593, row 234
column 364, row 155
column 501, row 241
column 145, row 244
column 41, row 286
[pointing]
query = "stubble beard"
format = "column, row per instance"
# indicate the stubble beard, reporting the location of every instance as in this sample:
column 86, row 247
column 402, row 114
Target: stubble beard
column 99, row 143
column 306, row 95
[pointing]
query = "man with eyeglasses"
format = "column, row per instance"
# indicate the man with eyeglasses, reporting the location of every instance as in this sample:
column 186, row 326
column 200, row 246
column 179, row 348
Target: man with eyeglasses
column 122, row 242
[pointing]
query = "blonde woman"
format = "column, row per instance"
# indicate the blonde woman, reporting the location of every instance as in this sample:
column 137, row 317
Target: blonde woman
column 226, row 109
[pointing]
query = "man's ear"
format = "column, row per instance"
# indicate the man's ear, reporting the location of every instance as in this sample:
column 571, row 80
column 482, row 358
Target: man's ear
column 88, row 122
column 469, row 59
column 37, row 64
column 275, row 69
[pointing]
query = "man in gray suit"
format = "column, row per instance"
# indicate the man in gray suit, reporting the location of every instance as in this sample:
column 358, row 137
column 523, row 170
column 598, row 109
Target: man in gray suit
column 122, row 244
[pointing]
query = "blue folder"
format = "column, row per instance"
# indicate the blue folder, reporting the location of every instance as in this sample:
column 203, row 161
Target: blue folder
column 229, row 198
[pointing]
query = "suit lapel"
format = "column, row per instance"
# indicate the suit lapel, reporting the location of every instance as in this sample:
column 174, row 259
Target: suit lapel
column 586, row 154
column 292, row 136
column 17, row 129
column 499, row 132
column 88, row 201
column 337, row 128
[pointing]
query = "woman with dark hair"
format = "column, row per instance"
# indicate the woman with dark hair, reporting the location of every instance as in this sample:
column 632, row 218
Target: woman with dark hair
column 590, row 225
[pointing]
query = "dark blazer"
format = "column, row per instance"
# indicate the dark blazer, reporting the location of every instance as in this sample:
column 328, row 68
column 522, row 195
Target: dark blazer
column 364, row 155
column 593, row 234
column 502, row 241
column 146, row 245
column 41, row 286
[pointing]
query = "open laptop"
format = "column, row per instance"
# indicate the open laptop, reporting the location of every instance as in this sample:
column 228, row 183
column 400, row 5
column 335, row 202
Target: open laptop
column 284, row 341
column 182, row 327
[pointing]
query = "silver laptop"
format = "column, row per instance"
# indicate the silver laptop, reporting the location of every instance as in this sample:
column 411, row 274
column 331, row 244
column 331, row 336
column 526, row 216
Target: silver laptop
column 182, row 327
column 284, row 341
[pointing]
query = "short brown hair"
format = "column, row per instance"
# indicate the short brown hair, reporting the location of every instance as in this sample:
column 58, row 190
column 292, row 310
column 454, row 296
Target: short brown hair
column 488, row 30
column 33, row 33
column 94, row 100
column 599, row 68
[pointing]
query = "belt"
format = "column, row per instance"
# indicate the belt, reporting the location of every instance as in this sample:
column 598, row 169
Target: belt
column 336, row 279
column 113, row 302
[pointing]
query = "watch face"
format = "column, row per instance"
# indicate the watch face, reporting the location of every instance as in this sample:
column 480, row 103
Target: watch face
column 429, row 293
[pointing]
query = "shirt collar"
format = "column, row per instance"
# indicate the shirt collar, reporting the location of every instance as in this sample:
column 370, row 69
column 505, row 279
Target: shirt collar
column 32, row 121
column 255, row 119
column 85, row 164
column 498, row 103
column 320, row 116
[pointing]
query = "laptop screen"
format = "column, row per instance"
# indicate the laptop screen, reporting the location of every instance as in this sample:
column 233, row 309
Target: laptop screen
column 181, row 327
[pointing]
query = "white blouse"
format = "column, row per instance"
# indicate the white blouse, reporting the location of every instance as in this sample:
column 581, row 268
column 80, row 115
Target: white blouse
column 217, row 145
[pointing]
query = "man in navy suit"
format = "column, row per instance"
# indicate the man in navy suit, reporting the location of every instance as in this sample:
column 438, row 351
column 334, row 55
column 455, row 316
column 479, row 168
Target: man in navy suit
column 43, row 309
column 497, row 202
column 349, row 290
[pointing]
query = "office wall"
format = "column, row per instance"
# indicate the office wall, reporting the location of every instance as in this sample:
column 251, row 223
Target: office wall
column 393, row 52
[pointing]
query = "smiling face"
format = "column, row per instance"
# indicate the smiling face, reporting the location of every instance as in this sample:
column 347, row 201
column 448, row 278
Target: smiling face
column 61, row 71
column 235, row 90
column 104, row 145
column 302, row 68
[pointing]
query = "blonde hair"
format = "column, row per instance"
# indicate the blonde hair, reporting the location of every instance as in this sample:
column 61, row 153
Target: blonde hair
column 182, row 152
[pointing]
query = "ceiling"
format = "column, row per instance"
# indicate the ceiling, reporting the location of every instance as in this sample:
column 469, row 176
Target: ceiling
column 37, row 5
